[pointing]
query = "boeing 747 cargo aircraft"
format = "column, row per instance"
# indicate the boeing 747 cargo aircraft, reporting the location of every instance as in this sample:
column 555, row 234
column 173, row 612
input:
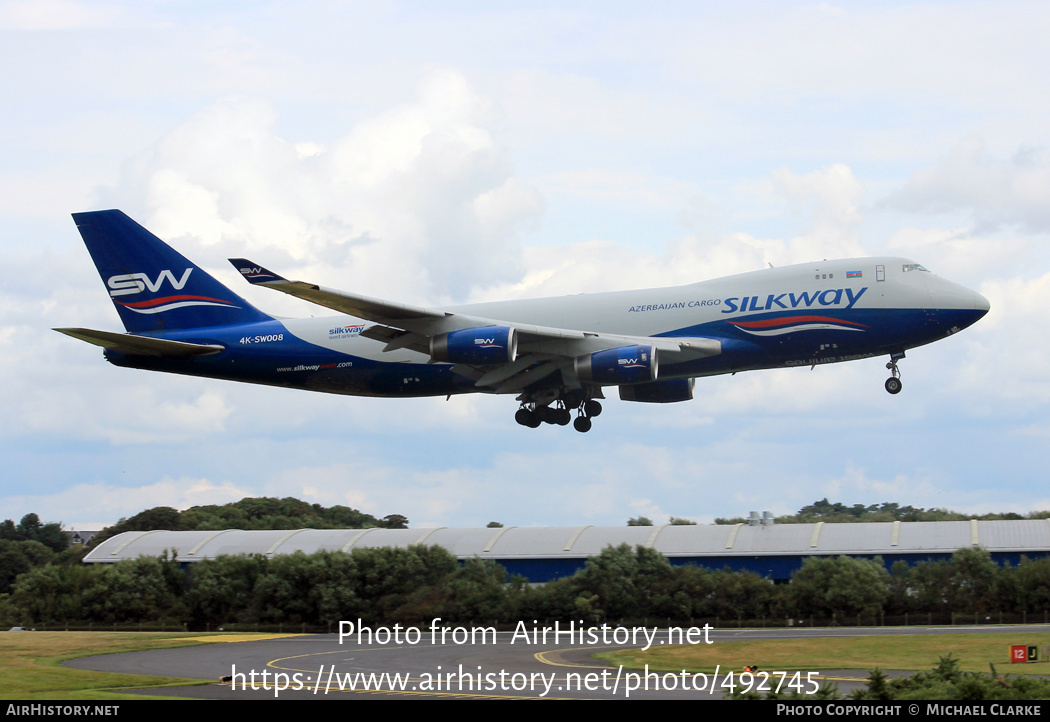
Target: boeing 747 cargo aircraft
column 555, row 355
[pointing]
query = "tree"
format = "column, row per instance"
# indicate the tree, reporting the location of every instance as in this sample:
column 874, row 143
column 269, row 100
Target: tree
column 625, row 580
column 973, row 580
column 401, row 585
column 827, row 586
column 929, row 586
column 479, row 592
column 640, row 521
column 743, row 595
column 159, row 517
column 146, row 589
column 394, row 521
column 49, row 594
column 30, row 523
column 12, row 563
column 248, row 513
column 309, row 589
column 222, row 590
column 1032, row 585
column 18, row 557
column 30, row 528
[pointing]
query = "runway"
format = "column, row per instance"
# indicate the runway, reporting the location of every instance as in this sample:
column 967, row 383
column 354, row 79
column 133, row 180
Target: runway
column 491, row 666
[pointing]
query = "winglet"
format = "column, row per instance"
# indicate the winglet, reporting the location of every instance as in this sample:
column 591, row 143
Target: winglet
column 254, row 273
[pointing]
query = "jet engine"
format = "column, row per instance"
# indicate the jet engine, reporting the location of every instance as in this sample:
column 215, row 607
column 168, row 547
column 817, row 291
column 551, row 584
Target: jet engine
column 624, row 365
column 478, row 346
column 659, row 392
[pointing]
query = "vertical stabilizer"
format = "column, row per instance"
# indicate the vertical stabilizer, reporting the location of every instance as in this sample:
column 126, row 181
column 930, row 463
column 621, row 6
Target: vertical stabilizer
column 153, row 287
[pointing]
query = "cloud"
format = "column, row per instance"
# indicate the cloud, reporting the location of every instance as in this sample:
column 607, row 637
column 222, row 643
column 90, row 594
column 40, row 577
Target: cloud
column 911, row 52
column 92, row 506
column 959, row 254
column 297, row 140
column 566, row 104
column 827, row 199
column 54, row 15
column 417, row 202
column 139, row 414
column 639, row 190
column 994, row 192
column 1010, row 358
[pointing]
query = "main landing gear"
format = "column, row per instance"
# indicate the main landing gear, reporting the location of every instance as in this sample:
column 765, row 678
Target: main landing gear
column 536, row 415
column 588, row 410
column 533, row 414
column 893, row 383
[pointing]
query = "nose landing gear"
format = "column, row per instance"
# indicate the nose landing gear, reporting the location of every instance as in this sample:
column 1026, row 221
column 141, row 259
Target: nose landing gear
column 893, row 383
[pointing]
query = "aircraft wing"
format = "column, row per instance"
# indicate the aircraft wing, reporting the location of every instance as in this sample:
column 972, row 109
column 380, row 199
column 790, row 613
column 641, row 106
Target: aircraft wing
column 542, row 349
column 370, row 309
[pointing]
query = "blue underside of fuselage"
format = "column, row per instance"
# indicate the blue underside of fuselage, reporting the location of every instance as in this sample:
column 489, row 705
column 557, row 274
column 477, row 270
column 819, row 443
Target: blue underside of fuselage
column 754, row 341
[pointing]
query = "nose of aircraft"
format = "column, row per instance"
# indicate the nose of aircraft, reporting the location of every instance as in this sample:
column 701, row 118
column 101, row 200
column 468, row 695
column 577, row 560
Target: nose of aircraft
column 957, row 306
column 980, row 303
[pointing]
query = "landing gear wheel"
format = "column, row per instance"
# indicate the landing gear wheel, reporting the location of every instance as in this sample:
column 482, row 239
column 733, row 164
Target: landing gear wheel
column 893, row 383
column 562, row 417
column 527, row 417
column 592, row 408
column 582, row 424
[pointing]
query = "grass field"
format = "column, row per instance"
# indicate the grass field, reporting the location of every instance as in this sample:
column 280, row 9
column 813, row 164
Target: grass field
column 29, row 663
column 905, row 652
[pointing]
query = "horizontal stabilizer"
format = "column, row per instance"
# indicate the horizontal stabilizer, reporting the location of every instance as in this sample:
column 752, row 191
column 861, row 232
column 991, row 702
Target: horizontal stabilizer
column 140, row 345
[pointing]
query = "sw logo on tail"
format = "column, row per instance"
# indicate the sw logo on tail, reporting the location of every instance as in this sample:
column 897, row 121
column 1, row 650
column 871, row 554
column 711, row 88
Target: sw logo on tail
column 557, row 355
column 125, row 283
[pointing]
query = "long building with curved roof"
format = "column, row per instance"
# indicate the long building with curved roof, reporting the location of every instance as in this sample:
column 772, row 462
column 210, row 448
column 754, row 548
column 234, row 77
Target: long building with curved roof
column 541, row 554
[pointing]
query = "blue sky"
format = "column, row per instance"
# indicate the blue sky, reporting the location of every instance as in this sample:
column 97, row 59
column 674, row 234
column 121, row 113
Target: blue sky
column 447, row 152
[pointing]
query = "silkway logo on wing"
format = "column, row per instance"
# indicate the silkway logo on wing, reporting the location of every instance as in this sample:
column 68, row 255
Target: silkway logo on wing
column 130, row 283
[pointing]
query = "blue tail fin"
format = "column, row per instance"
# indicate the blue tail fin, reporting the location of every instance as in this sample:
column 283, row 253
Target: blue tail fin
column 153, row 286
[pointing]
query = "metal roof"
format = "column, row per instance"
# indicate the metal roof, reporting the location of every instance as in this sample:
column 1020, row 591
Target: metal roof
column 575, row 542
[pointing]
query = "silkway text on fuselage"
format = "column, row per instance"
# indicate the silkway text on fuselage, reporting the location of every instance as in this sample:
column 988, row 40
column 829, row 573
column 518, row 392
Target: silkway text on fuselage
column 742, row 304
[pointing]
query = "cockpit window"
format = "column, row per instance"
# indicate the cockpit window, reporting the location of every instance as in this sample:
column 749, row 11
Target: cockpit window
column 914, row 267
